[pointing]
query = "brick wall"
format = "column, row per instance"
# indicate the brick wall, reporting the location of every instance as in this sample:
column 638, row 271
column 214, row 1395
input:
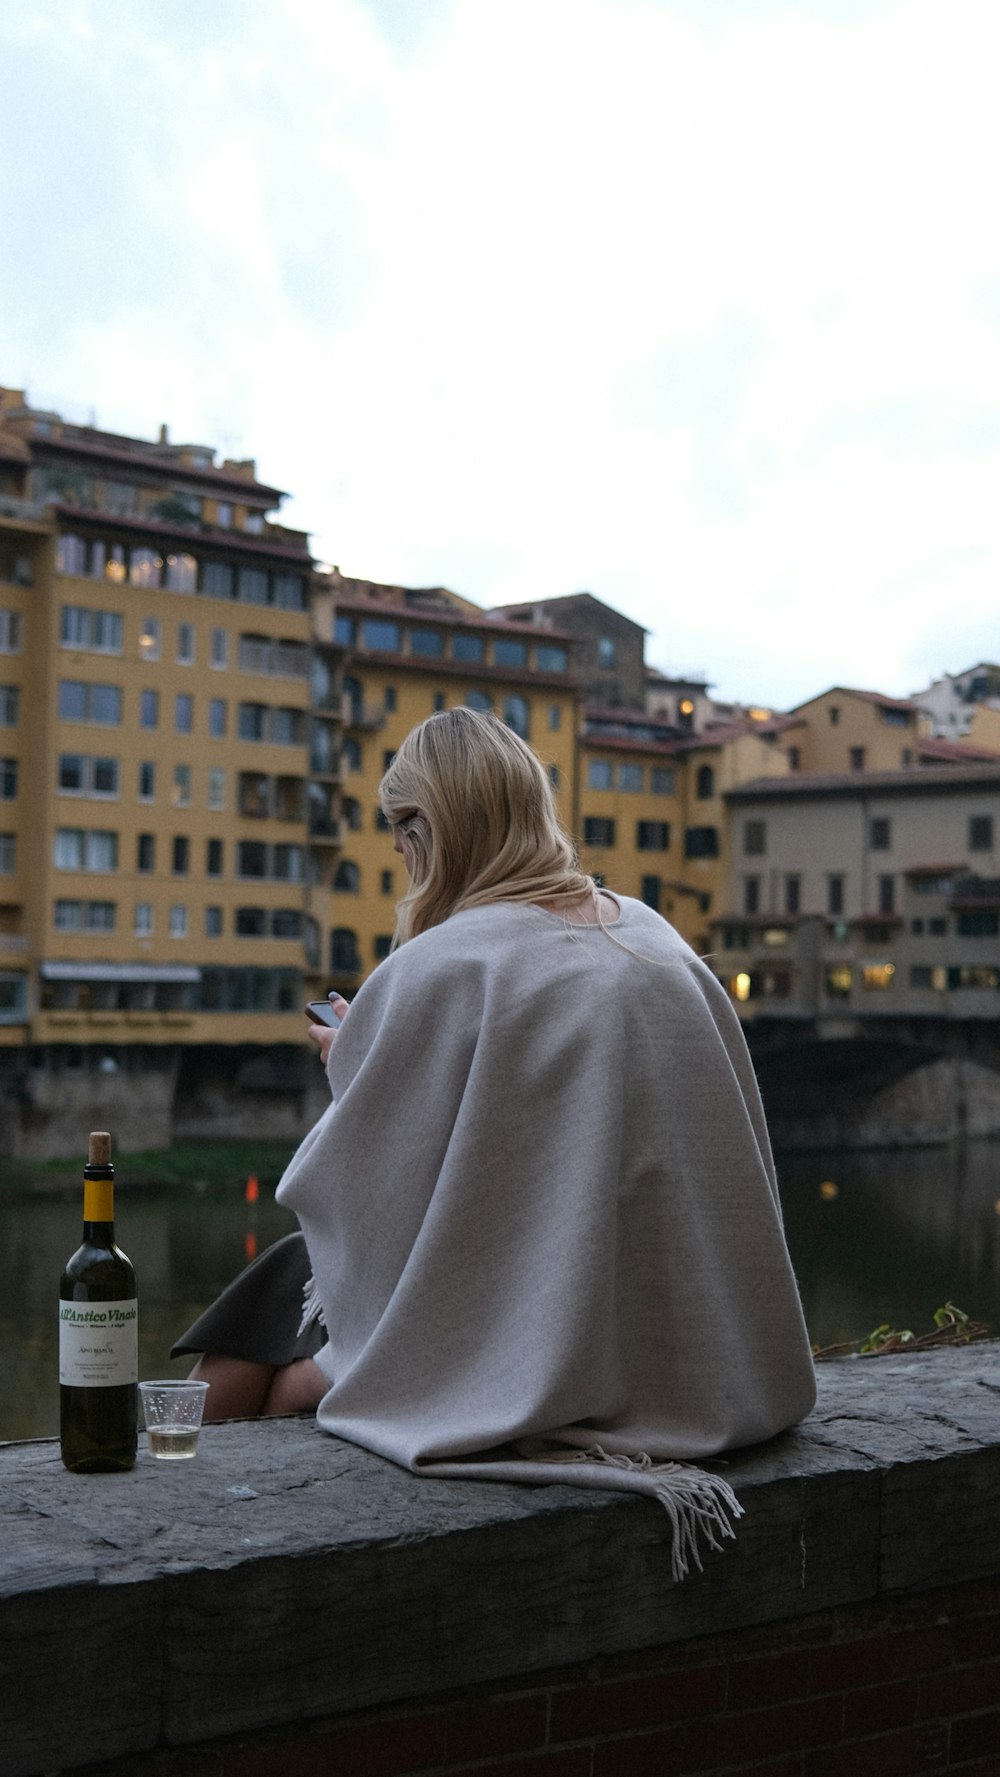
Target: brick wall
column 904, row 1688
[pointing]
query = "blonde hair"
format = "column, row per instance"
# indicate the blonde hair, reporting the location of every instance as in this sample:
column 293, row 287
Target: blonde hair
column 477, row 809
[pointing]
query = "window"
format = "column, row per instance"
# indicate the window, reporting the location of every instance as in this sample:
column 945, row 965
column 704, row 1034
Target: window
column 389, row 700
column 426, row 642
column 251, row 858
column 147, row 781
column 835, row 894
column 754, row 838
column 555, row 717
column 250, row 721
column 178, row 922
column 84, row 916
column 467, row 647
column 183, row 713
column 180, row 854
column 652, row 835
column 142, row 921
column 8, row 854
column 705, row 783
column 80, row 774
column 217, row 717
column 216, row 787
column 793, row 893
column 880, row 834
column 213, row 857
column 288, row 727
column 977, row 922
column 220, row 648
column 350, row 811
column 182, row 574
column 250, row 922
column 149, row 709
column 794, row 759
column 181, row 795
column 10, row 632
column 878, row 976
column 887, row 894
column 509, row 653
column 838, row 981
column 213, row 922
column 98, row 631
column 149, row 639
column 347, row 878
column 344, row 956
column 9, row 698
column 478, row 700
column 185, row 644
column 661, row 780
column 439, row 700
column 606, row 652
column 701, row 842
column 252, row 586
column 630, row 777
column 288, row 863
column 145, row 852
column 834, row 714
column 385, row 882
column 650, row 892
column 599, row 775
column 554, row 776
column 981, row 832
column 81, row 701
column 286, row 922
column 8, row 780
column 857, row 758
column 217, row 580
column 379, row 635
column 78, row 848
column 290, row 592
column 515, row 714
column 223, row 514
column 145, row 567
column 549, row 659
column 598, row 831
column 343, row 631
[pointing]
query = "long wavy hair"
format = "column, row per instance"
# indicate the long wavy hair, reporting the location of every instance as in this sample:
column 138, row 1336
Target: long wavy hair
column 475, row 807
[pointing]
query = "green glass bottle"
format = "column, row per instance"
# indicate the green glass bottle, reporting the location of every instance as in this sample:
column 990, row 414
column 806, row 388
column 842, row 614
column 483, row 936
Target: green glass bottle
column 98, row 1333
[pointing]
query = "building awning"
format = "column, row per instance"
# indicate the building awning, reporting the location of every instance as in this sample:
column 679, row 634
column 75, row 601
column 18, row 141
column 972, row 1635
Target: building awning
column 118, row 972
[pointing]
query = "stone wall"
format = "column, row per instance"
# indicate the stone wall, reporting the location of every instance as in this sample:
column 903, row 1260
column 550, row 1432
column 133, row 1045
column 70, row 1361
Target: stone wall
column 291, row 1604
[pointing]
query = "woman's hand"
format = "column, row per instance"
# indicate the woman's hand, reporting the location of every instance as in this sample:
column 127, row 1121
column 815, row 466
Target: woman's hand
column 323, row 1036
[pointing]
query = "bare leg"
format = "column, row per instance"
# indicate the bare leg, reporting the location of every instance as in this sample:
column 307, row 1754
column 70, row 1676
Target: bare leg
column 296, row 1388
column 237, row 1389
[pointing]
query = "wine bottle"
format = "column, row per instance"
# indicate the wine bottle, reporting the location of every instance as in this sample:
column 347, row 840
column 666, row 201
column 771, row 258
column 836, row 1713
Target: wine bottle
column 98, row 1333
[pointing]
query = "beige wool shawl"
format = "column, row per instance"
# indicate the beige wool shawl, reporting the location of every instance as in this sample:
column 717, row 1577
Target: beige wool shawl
column 543, row 1219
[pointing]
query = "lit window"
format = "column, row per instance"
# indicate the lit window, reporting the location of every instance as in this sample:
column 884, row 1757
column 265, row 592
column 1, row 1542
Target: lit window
column 878, row 975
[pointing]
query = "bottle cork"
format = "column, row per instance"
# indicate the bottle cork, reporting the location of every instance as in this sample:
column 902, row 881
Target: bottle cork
column 100, row 1148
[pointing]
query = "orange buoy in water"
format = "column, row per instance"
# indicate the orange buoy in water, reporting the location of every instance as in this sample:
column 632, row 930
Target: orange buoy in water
column 252, row 1191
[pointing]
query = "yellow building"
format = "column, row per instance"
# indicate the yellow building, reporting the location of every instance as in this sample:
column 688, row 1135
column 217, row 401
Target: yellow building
column 396, row 656
column 159, row 885
column 844, row 730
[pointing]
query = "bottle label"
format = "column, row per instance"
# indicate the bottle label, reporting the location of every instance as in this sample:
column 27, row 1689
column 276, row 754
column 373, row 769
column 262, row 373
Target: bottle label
column 98, row 1344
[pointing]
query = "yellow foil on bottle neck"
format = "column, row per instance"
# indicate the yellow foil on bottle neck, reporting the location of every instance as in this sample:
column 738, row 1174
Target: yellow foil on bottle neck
column 98, row 1200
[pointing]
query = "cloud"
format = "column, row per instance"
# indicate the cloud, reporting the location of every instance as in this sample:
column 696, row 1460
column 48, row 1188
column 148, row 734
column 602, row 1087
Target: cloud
column 691, row 304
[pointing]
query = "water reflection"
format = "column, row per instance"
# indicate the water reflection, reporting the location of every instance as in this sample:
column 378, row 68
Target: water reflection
column 898, row 1235
column 185, row 1247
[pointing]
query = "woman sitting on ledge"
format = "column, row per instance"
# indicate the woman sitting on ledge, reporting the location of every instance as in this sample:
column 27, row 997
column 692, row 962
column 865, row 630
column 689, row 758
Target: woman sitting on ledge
column 540, row 1213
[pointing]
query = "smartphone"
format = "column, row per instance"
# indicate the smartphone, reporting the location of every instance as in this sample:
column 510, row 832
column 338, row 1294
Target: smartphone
column 321, row 1012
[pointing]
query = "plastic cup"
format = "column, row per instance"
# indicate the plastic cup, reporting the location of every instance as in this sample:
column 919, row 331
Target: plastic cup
column 172, row 1411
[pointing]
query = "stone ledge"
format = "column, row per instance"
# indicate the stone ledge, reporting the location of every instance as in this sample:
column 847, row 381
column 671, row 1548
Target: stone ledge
column 285, row 1575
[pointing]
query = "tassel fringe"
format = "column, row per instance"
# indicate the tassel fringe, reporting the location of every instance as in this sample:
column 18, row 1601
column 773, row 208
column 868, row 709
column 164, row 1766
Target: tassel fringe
column 697, row 1503
column 312, row 1307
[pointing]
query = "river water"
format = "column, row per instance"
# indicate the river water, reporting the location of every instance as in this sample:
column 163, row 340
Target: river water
column 875, row 1237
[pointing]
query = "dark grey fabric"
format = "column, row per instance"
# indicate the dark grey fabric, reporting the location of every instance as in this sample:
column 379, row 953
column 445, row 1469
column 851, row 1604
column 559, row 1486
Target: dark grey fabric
column 257, row 1316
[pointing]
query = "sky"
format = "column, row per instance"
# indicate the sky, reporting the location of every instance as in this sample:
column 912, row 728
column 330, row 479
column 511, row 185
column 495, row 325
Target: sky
column 690, row 304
